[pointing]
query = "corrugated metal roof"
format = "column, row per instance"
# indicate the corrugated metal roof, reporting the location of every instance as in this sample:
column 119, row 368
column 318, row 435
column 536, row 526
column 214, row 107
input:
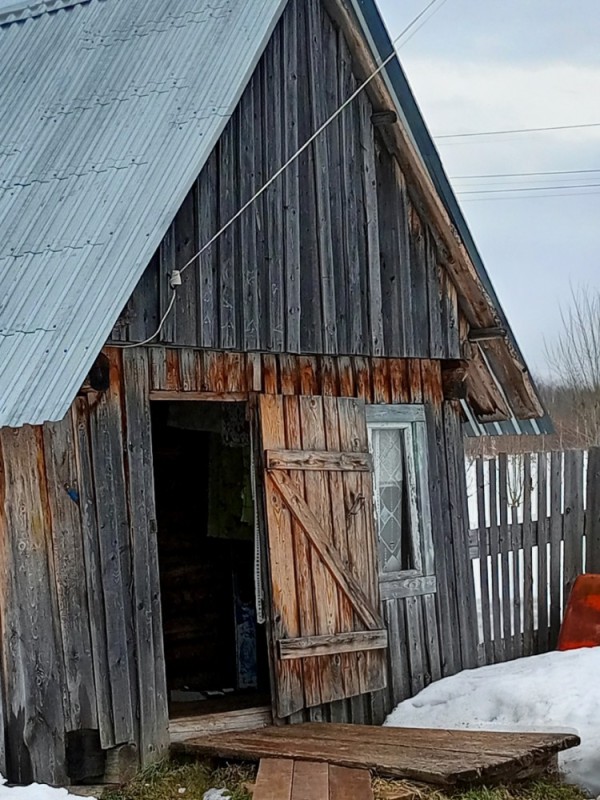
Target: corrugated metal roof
column 91, row 90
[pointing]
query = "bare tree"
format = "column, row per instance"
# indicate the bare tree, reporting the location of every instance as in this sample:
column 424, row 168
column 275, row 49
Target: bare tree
column 574, row 359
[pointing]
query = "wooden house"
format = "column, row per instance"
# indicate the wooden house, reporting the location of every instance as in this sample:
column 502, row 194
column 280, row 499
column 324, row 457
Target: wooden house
column 263, row 504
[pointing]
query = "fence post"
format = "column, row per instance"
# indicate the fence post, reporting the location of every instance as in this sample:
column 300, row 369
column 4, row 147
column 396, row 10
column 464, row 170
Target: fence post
column 592, row 517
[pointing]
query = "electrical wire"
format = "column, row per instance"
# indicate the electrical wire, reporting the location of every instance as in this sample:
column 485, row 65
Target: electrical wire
column 524, row 174
column 530, row 189
column 283, row 168
column 470, row 134
column 160, row 325
column 527, row 197
column 309, row 141
column 424, row 22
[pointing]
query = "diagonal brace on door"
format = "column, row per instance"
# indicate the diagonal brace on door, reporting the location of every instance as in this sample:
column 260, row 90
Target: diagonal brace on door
column 318, row 538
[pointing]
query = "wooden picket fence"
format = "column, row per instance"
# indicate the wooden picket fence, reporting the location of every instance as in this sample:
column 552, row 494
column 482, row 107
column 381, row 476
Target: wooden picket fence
column 537, row 518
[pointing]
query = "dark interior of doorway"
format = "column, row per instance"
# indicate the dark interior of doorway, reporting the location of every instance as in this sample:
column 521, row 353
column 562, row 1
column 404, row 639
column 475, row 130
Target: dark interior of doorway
column 215, row 651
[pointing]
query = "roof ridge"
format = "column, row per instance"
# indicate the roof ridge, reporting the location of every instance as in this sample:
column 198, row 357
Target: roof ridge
column 20, row 10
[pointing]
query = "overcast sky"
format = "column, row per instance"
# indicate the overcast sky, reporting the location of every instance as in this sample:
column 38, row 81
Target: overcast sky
column 498, row 64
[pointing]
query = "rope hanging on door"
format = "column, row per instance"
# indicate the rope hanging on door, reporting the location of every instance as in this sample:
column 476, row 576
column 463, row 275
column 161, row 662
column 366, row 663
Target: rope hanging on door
column 258, row 582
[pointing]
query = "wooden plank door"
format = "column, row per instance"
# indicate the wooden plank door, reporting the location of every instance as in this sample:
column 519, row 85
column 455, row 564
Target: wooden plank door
column 328, row 635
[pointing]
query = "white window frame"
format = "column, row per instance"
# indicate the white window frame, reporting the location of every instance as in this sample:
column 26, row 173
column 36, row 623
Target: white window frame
column 411, row 420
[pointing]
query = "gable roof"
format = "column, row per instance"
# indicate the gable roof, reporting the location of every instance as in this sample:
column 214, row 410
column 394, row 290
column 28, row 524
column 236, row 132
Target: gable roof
column 156, row 82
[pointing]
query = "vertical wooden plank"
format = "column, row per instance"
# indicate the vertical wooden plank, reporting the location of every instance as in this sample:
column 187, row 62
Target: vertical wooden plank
column 593, row 512
column 347, row 662
column 394, row 262
column 484, row 549
column 286, row 620
column 311, row 780
column 228, row 205
column 447, row 593
column 303, row 559
column 106, row 431
column 460, row 533
column 360, row 525
column 207, row 197
column 351, row 226
column 93, row 571
column 556, row 534
column 398, row 650
column 275, row 133
column 369, row 176
column 436, row 332
column 432, row 638
column 246, row 135
column 362, row 379
column 495, row 559
column 381, row 383
column 528, row 544
column 349, row 783
column 319, row 114
column 311, row 328
column 399, row 382
column 274, row 779
column 168, row 262
column 158, row 368
column 291, row 178
column 542, row 553
column 505, row 546
column 307, row 366
column 153, row 717
column 32, row 659
column 269, row 372
column 416, row 643
column 317, row 495
column 67, row 552
column 185, row 237
column 419, row 296
column 188, row 375
column 346, row 376
column 415, row 380
column 573, row 519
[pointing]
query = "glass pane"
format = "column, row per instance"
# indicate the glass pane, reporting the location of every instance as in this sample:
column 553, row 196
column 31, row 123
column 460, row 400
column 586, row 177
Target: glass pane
column 391, row 499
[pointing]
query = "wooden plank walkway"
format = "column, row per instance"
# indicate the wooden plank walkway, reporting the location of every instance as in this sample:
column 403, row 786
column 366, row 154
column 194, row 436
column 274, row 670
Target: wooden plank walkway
column 439, row 757
column 286, row 779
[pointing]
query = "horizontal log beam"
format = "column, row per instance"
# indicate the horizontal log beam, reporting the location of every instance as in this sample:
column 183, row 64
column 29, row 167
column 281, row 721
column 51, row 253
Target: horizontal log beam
column 332, row 644
column 319, row 460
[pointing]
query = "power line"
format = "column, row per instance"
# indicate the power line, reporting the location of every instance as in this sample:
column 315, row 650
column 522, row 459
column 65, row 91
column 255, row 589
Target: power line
column 527, row 197
column 530, row 189
column 308, row 142
column 176, row 275
column 424, row 22
column 517, row 130
column 525, row 174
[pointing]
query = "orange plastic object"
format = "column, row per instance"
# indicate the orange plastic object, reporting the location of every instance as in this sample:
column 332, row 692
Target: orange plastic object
column 581, row 624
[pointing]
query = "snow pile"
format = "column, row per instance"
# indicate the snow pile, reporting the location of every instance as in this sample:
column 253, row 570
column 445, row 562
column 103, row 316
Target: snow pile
column 217, row 794
column 557, row 691
column 35, row 791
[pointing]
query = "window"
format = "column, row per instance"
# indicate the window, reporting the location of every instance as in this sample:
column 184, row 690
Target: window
column 397, row 438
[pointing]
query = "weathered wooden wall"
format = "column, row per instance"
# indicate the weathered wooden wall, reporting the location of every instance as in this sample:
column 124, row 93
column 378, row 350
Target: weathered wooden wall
column 432, row 634
column 335, row 257
column 80, row 616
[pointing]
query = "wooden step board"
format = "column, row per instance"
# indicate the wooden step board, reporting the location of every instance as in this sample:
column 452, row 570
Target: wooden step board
column 440, row 757
column 286, row 779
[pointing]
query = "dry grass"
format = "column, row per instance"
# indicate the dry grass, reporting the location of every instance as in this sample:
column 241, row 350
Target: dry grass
column 547, row 789
column 172, row 780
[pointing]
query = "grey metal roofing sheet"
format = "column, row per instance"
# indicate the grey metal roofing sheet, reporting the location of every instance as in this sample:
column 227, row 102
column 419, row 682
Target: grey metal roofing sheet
column 108, row 111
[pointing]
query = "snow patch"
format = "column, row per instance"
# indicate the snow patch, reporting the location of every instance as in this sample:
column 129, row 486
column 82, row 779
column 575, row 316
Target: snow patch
column 35, row 791
column 217, row 794
column 554, row 692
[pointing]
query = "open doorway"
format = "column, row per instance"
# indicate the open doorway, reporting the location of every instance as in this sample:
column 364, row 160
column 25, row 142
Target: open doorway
column 215, row 648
